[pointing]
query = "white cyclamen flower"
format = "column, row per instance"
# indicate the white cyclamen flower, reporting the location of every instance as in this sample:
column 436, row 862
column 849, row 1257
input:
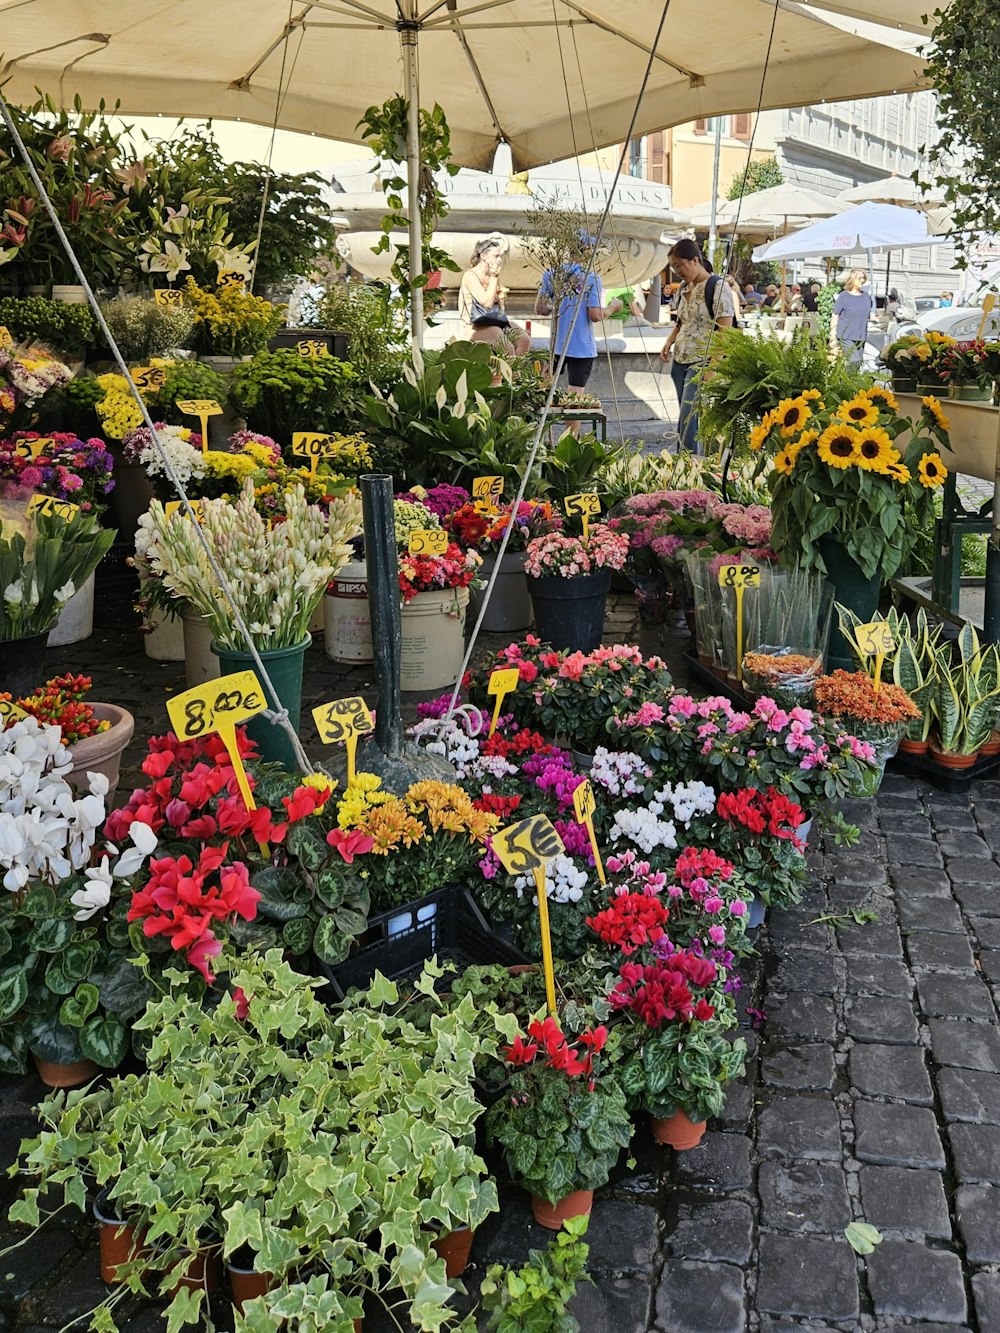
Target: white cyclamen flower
column 95, row 894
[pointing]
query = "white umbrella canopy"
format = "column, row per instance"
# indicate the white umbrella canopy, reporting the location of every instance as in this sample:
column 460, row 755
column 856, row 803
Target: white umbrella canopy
column 779, row 202
column 867, row 227
column 898, row 190
column 495, row 66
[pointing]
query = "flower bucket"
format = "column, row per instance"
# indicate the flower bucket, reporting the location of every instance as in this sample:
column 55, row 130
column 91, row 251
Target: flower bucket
column 904, row 384
column 553, row 1215
column 678, row 1131
column 200, row 663
column 22, row 663
column 569, row 613
column 70, row 293
column 163, row 641
column 284, row 666
column 907, row 746
column 76, row 619
column 432, row 638
column 132, row 494
column 120, row 1240
column 756, row 914
column 347, row 622
column 854, row 590
column 454, row 1249
column 54, row 1075
column 103, row 753
column 969, row 393
column 992, row 746
column 509, row 607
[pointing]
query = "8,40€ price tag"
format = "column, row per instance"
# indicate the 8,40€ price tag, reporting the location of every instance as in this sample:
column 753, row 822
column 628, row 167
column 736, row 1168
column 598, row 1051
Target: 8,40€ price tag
column 524, row 848
column 584, row 807
column 502, row 681
column 428, row 541
column 220, row 706
column 739, row 578
column 344, row 720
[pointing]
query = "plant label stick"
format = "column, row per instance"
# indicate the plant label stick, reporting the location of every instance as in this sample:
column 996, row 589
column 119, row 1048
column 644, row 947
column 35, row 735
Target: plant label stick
column 527, row 846
column 9, row 712
column 989, row 301
column 168, row 296
column 739, row 578
column 587, row 504
column 312, row 446
column 875, row 640
column 584, row 806
column 172, row 506
column 48, row 504
column 220, row 706
column 502, row 681
column 428, row 541
column 489, row 491
column 202, row 408
column 344, row 720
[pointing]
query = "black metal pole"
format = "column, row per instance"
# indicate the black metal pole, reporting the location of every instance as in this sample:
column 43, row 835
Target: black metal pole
column 383, row 607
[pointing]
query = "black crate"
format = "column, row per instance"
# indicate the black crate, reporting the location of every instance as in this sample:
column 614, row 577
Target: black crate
column 945, row 779
column 397, row 943
column 336, row 343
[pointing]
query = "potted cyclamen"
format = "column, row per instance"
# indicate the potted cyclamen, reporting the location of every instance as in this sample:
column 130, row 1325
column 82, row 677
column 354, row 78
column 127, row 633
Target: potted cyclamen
column 568, row 580
column 565, row 1122
column 509, row 607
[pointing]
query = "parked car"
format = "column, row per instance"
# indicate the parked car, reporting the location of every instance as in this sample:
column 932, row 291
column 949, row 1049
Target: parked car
column 958, row 321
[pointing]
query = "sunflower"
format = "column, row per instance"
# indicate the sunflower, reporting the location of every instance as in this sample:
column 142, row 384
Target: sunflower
column 898, row 472
column 875, row 449
column 784, row 461
column 858, row 411
column 887, row 396
column 933, row 409
column 791, row 414
column 760, row 432
column 810, row 393
column 807, row 438
column 838, row 446
column 931, row 470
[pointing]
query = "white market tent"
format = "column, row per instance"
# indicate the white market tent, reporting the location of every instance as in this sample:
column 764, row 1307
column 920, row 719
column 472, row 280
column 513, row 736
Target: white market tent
column 868, row 227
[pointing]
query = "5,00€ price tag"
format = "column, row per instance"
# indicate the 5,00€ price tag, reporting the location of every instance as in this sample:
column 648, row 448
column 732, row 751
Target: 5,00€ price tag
column 428, row 541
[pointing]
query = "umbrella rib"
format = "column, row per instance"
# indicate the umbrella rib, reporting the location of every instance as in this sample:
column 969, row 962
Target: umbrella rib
column 697, row 80
column 450, row 6
column 456, row 27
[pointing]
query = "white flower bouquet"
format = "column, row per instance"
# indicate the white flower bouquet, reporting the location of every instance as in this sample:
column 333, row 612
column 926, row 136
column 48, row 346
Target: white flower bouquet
column 44, row 559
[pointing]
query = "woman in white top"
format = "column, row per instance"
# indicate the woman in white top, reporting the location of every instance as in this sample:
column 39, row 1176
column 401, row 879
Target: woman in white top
column 705, row 304
column 481, row 299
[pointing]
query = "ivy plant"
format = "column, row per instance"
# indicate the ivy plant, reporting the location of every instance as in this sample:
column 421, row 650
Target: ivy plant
column 535, row 1296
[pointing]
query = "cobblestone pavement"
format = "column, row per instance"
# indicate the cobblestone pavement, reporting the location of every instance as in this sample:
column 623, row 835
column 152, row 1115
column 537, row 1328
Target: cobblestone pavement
column 872, row 1093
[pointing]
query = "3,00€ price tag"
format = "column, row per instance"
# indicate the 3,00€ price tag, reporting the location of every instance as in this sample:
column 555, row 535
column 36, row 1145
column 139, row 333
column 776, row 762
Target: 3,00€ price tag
column 344, row 720
column 524, row 848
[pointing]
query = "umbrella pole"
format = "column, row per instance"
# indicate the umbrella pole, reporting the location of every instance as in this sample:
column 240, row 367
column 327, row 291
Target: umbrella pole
column 408, row 41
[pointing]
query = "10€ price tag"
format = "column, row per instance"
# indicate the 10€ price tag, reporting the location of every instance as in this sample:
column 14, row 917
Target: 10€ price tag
column 344, row 720
column 428, row 541
column 9, row 712
column 488, row 490
column 48, row 504
column 584, row 807
column 524, row 848
column 168, row 296
column 502, row 681
column 587, row 504
column 312, row 445
column 30, row 449
column 172, row 506
column 220, row 706
column 202, row 408
column 875, row 640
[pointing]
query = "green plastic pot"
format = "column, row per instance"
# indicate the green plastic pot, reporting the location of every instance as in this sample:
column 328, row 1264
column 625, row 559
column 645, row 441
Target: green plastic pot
column 284, row 667
column 853, row 589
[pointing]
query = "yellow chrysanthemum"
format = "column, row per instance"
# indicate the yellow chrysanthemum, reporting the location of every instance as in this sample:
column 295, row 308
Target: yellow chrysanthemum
column 858, row 411
column 875, row 449
column 361, row 796
column 784, row 461
column 898, row 472
column 931, row 471
column 322, row 783
column 877, row 391
column 791, row 414
column 921, row 351
column 941, row 339
column 838, row 446
column 933, row 408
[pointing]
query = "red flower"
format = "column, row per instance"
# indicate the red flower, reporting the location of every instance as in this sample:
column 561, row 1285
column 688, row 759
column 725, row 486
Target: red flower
column 630, row 921
column 304, row 801
column 521, row 1052
column 349, row 845
column 240, row 1003
column 207, row 947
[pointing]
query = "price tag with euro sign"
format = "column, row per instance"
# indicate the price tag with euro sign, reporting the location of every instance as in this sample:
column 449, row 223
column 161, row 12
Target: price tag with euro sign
column 739, row 576
column 48, row 504
column 344, row 720
column 202, row 408
column 312, row 445
column 30, row 449
column 524, row 848
column 232, row 278
column 875, row 639
column 587, row 504
column 428, row 541
column 5, row 339
column 220, row 706
column 9, row 712
column 313, row 348
column 488, row 490
column 149, row 377
column 172, row 506
column 585, row 807
column 502, row 681
column 168, row 296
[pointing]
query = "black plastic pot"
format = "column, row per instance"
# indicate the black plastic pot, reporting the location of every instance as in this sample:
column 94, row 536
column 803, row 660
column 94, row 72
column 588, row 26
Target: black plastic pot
column 569, row 612
column 22, row 663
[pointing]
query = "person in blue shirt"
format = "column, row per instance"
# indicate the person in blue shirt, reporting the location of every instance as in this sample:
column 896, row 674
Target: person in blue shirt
column 573, row 323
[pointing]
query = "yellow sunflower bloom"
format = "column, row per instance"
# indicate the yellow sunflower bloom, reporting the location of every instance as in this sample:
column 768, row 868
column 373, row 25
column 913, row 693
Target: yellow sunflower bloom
column 858, row 411
column 931, row 471
column 875, row 449
column 760, row 433
column 810, row 393
column 838, row 446
column 933, row 408
column 791, row 414
column 885, row 395
column 784, row 461
column 898, row 472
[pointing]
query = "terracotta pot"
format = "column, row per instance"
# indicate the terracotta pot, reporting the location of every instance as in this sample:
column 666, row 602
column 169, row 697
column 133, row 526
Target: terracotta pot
column 553, row 1215
column 120, row 1240
column 992, row 746
column 65, row 1076
column 678, row 1131
column 454, row 1250
column 906, row 746
column 947, row 759
column 103, row 753
column 247, row 1283
column 204, row 1273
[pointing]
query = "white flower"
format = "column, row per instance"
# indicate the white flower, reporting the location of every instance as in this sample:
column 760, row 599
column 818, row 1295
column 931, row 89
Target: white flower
column 13, row 594
column 644, row 829
column 132, row 858
column 95, row 894
column 64, row 593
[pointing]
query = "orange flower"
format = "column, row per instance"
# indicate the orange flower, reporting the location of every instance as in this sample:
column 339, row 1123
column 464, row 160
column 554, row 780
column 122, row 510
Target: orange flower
column 852, row 694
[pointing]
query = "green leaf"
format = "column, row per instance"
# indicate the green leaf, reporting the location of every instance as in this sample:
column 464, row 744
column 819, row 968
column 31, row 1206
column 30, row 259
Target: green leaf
column 307, row 845
column 862, row 1237
column 51, row 1040
column 329, row 944
column 124, row 990
column 13, row 1050
column 51, row 935
column 77, row 1008
column 298, row 934
column 275, row 888
column 13, row 991
column 184, row 1308
column 105, row 1041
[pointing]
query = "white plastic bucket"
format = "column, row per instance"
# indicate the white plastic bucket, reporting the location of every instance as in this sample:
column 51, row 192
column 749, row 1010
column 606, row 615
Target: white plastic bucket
column 76, row 619
column 347, row 633
column 433, row 639
column 200, row 663
column 164, row 640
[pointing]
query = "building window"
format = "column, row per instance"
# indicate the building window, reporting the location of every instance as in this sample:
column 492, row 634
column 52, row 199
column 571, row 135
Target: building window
column 635, row 158
column 741, row 126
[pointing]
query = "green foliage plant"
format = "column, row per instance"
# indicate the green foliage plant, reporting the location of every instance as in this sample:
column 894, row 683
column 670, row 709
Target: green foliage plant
column 143, row 329
column 913, row 663
column 282, row 392
column 186, row 380
column 535, row 1295
column 966, row 704
column 683, row 1067
column 370, row 316
column 67, row 329
column 580, row 463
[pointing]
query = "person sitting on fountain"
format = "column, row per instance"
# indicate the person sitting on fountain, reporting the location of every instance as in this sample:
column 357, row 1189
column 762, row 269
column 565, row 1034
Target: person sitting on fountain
column 481, row 299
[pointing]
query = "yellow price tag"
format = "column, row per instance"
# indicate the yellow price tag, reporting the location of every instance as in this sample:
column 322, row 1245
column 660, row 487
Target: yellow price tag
column 875, row 639
column 48, row 504
column 344, row 720
column 489, row 490
column 312, row 348
column 220, row 706
column 739, row 576
column 525, row 847
column 584, row 807
column 172, row 506
column 428, row 541
column 5, row 339
column 586, row 504
column 30, row 449
column 202, row 408
column 502, row 681
column 149, row 377
column 312, row 446
column 168, row 296
column 9, row 712
column 230, row 277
